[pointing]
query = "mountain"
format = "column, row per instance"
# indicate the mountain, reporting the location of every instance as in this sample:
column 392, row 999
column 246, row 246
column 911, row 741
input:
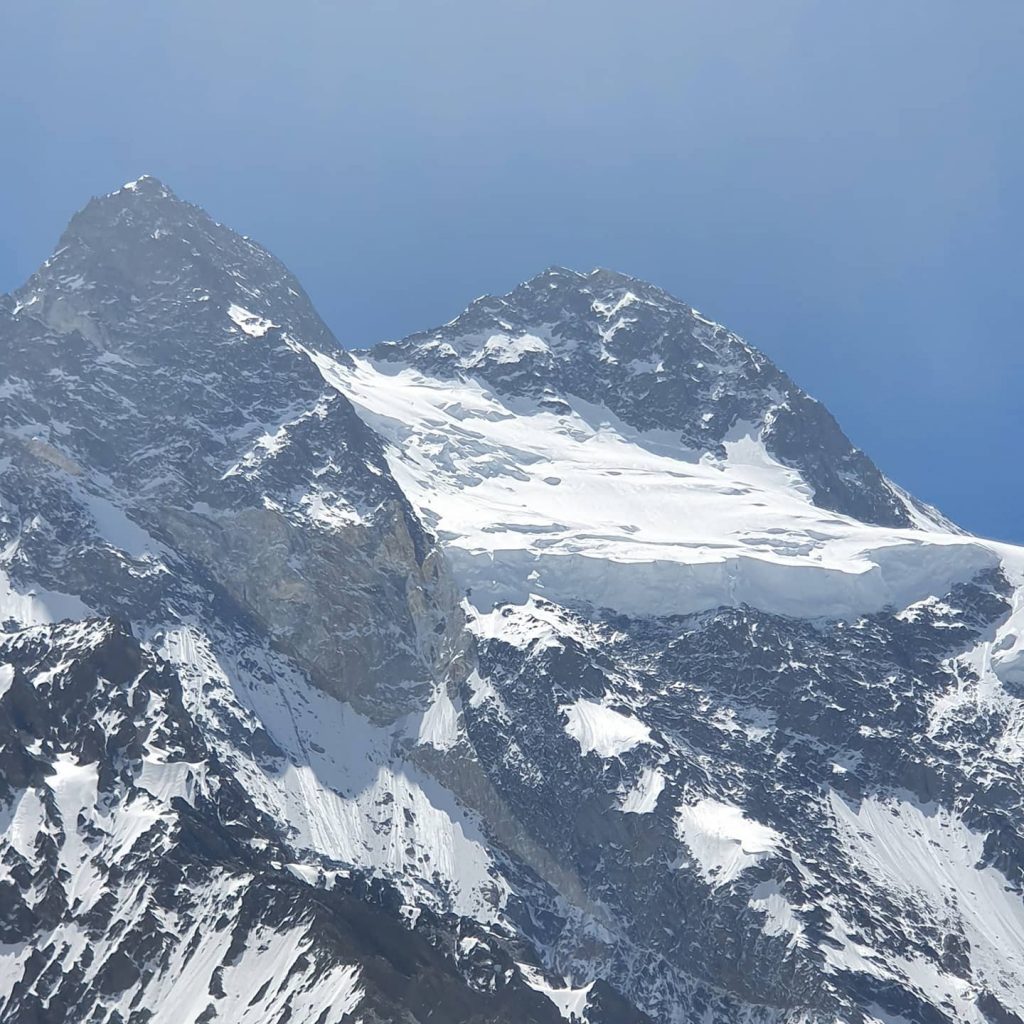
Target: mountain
column 564, row 662
column 657, row 364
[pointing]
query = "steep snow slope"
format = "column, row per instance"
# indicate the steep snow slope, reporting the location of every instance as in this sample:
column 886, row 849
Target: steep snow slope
column 141, row 882
column 655, row 363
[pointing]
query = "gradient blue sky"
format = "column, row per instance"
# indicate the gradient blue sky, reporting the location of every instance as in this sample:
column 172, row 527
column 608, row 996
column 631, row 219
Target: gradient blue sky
column 840, row 182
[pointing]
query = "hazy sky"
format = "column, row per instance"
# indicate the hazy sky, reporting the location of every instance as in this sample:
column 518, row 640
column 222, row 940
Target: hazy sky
column 840, row 182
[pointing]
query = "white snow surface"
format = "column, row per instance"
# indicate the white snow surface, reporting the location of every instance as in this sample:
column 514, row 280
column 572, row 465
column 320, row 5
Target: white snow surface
column 988, row 677
column 503, row 348
column 116, row 529
column 567, row 1000
column 36, row 606
column 927, row 855
column 438, row 726
column 780, row 917
column 643, row 797
column 602, row 730
column 579, row 507
column 333, row 993
column 249, row 323
column 346, row 796
column 723, row 840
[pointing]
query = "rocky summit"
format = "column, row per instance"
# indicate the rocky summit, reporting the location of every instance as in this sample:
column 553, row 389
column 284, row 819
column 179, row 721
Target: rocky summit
column 565, row 662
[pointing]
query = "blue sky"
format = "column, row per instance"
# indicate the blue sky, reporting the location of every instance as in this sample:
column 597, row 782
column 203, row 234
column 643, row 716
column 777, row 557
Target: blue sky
column 839, row 182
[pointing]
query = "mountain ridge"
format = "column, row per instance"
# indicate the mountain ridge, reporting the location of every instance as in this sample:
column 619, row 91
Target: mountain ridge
column 495, row 682
column 657, row 363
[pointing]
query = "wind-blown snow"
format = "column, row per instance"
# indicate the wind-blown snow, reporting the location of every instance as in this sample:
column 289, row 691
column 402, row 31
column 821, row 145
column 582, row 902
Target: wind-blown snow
column 577, row 506
column 989, row 677
column 569, row 1001
column 780, row 918
column 330, row 998
column 1005, row 655
column 345, row 795
column 534, row 624
column 272, row 978
column 167, row 780
column 438, row 726
column 116, row 528
column 501, row 348
column 35, row 606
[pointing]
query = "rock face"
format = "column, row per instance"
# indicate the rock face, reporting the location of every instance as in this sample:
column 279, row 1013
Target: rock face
column 565, row 662
column 142, row 883
column 163, row 363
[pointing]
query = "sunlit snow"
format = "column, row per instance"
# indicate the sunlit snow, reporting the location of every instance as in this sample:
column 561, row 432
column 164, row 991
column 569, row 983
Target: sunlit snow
column 251, row 323
column 723, row 840
column 643, row 797
column 602, row 730
column 926, row 854
column 578, row 506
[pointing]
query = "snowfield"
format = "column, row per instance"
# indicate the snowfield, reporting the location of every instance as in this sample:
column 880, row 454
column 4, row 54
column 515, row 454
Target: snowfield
column 925, row 854
column 578, row 507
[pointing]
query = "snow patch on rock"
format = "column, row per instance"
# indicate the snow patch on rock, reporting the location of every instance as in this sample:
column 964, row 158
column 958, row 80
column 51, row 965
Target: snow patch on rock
column 927, row 855
column 723, row 840
column 37, row 606
column 603, row 731
column 571, row 1002
column 643, row 797
column 249, row 323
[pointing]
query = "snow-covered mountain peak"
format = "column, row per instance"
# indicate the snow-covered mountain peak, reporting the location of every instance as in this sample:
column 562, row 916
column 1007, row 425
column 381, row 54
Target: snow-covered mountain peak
column 147, row 184
column 654, row 363
column 562, row 663
column 162, row 363
column 131, row 256
column 144, row 205
column 576, row 315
